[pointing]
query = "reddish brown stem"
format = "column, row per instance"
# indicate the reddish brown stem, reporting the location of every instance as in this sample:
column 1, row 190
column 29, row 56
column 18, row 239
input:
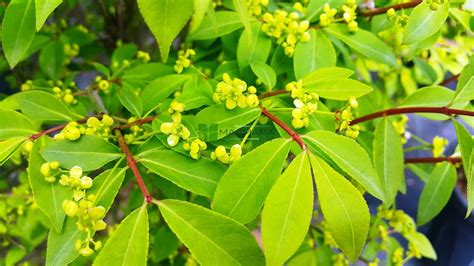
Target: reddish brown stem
column 452, row 160
column 449, row 80
column 382, row 10
column 295, row 136
column 133, row 166
column 407, row 110
column 138, row 122
column 272, row 93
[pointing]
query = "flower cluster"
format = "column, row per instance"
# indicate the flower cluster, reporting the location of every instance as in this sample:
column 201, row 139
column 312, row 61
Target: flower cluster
column 350, row 15
column 175, row 129
column 434, row 4
column 234, row 92
column 220, row 153
column 346, row 116
column 184, row 60
column 326, row 18
column 64, row 95
column 77, row 181
column 94, row 126
column 255, row 6
column 286, row 29
column 71, row 51
column 306, row 103
column 135, row 131
column 28, row 85
column 49, row 171
column 339, row 260
column 400, row 126
column 102, row 84
column 144, row 56
column 195, row 147
column 439, row 144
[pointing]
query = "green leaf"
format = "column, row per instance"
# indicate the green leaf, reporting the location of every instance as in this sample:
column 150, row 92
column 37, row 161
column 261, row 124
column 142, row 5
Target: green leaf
column 423, row 243
column 212, row 238
column 8, row 147
column 15, row 124
column 245, row 185
column 344, row 209
column 166, row 243
column 129, row 242
column 287, row 212
column 350, row 157
column 241, row 7
column 131, row 101
column 143, row 74
column 325, row 74
column 264, row 73
column 465, row 87
column 216, row 121
column 166, row 18
column 159, row 89
column 388, row 159
column 424, row 22
column 88, row 152
column 307, row 258
column 52, row 59
column 198, row 176
column 317, row 53
column 197, row 92
column 339, row 89
column 365, row 43
column 254, row 46
column 466, row 145
column 436, row 193
column 40, row 105
column 18, row 30
column 44, row 8
column 200, row 9
column 48, row 196
column 61, row 246
column 222, row 24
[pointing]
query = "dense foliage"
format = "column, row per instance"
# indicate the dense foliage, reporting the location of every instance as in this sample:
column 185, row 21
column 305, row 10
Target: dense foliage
column 244, row 132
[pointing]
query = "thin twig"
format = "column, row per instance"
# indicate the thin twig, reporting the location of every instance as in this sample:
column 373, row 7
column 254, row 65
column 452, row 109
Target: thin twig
column 295, row 136
column 382, row 10
column 452, row 160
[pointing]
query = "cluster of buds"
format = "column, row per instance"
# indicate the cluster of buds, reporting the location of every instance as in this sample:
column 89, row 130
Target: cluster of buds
column 71, row 51
column 195, row 147
column 400, row 126
column 49, row 171
column 375, row 262
column 89, row 219
column 234, row 92
column 255, row 6
column 326, row 18
column 28, row 85
column 64, row 95
column 346, row 116
column 220, row 153
column 143, row 56
column 94, row 126
column 306, row 104
column 350, row 15
column 339, row 260
column 77, row 181
column 184, row 60
column 299, row 7
column 217, row 3
column 397, row 219
column 102, row 84
column 286, row 29
column 434, row 4
column 397, row 257
column 439, row 144
column 175, row 129
column 135, row 131
column 121, row 65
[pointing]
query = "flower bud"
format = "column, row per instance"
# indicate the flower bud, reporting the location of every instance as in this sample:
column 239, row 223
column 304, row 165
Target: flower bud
column 50, row 179
column 72, row 133
column 107, row 120
column 166, row 128
column 28, row 146
column 353, row 102
column 75, row 172
column 70, row 208
column 54, row 165
column 86, row 252
column 173, row 140
column 86, row 182
column 96, row 213
column 99, row 225
column 45, row 169
column 93, row 122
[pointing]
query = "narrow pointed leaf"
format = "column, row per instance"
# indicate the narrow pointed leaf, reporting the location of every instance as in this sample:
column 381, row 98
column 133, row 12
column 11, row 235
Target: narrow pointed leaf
column 436, row 193
column 40, row 105
column 44, row 8
column 129, row 242
column 15, row 124
column 350, row 157
column 48, row 196
column 388, row 158
column 465, row 86
column 466, row 145
column 212, row 238
column 245, row 185
column 89, row 152
column 131, row 101
column 287, row 212
column 198, row 176
column 344, row 209
column 8, row 147
column 424, row 22
column 339, row 89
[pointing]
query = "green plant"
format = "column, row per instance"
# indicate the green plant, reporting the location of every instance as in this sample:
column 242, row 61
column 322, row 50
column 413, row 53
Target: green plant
column 271, row 117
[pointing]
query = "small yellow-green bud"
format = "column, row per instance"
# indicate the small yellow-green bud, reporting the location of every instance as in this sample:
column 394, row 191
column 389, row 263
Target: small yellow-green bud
column 75, row 172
